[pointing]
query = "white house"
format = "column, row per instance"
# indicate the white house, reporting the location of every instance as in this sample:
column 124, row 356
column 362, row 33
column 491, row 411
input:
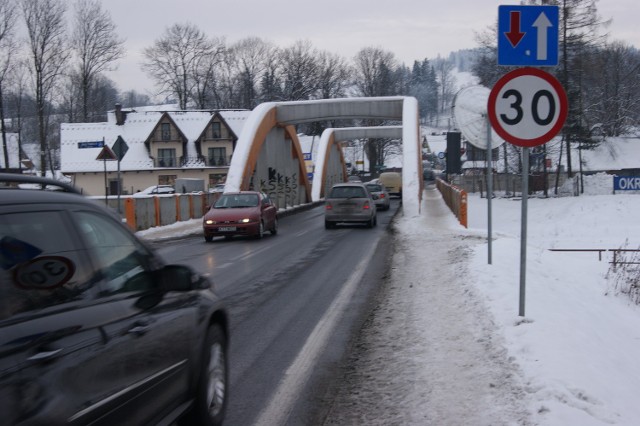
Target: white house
column 154, row 146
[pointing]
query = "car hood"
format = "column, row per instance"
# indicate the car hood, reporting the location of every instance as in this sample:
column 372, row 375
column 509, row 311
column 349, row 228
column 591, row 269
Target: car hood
column 232, row 214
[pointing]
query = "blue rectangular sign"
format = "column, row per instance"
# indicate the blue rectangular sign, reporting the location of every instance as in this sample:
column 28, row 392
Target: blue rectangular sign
column 528, row 35
column 94, row 144
column 626, row 183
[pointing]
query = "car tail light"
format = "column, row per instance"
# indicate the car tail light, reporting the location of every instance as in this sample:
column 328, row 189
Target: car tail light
column 328, row 207
column 366, row 205
column 381, row 195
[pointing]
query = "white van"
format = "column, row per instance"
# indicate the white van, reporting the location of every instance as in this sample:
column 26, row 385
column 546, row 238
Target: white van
column 392, row 181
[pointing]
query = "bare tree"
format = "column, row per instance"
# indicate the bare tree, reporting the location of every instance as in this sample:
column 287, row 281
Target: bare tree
column 446, row 82
column 333, row 75
column 372, row 72
column 300, row 71
column 7, row 51
column 173, row 59
column 204, row 72
column 97, row 45
column 251, row 58
column 45, row 24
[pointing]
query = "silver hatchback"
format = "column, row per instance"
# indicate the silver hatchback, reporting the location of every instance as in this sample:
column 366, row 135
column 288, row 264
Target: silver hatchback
column 349, row 202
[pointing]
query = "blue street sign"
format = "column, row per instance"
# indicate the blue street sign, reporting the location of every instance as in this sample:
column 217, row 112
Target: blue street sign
column 528, row 35
column 92, row 144
column 626, row 183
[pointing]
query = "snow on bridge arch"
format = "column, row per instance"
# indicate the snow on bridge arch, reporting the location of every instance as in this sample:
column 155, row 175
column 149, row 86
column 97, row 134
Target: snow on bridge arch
column 268, row 156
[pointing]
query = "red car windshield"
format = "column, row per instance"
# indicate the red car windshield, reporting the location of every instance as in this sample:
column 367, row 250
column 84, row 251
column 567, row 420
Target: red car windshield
column 228, row 201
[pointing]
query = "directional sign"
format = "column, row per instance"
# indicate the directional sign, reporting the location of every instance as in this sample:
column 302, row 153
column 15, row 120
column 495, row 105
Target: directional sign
column 120, row 147
column 528, row 35
column 527, row 107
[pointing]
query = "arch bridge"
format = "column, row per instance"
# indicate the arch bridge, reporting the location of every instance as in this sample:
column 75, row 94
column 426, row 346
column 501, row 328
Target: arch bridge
column 268, row 156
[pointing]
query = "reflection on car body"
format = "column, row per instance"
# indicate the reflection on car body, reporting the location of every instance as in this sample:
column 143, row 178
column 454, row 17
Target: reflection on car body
column 246, row 213
column 94, row 327
column 349, row 203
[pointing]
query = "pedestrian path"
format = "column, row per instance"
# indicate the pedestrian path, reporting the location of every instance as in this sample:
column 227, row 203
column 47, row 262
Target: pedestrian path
column 430, row 353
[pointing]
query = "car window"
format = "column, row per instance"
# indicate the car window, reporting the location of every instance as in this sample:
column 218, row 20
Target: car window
column 374, row 188
column 123, row 261
column 348, row 192
column 236, row 200
column 40, row 266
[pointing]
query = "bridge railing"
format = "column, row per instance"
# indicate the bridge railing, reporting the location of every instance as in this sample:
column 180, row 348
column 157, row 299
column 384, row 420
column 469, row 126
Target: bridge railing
column 455, row 198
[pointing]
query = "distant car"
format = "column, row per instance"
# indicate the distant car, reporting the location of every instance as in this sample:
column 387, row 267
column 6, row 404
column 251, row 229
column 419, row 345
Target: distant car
column 246, row 213
column 392, row 181
column 354, row 178
column 349, row 203
column 380, row 195
column 155, row 190
column 219, row 188
column 94, row 326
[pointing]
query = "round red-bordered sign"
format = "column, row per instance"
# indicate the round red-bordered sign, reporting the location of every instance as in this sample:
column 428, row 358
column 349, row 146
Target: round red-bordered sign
column 527, row 107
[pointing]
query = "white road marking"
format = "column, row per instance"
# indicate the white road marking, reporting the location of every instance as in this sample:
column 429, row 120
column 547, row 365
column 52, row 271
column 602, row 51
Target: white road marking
column 280, row 406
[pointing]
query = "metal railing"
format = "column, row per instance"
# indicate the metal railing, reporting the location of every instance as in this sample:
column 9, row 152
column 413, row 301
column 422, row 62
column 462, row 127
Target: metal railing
column 616, row 254
column 455, row 198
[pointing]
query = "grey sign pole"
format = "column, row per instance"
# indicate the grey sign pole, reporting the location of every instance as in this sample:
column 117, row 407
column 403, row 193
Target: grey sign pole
column 523, row 229
column 489, row 188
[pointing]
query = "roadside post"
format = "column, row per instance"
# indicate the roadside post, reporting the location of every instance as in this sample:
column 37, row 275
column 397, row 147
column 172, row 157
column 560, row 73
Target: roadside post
column 527, row 107
column 106, row 154
column 120, row 148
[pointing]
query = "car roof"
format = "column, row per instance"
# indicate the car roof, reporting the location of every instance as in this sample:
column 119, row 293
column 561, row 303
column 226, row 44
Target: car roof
column 352, row 183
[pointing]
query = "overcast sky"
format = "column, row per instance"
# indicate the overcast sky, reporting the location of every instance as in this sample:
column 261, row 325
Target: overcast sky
column 411, row 29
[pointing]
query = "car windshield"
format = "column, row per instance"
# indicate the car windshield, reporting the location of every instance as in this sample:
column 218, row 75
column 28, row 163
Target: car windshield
column 227, row 201
column 348, row 192
column 374, row 188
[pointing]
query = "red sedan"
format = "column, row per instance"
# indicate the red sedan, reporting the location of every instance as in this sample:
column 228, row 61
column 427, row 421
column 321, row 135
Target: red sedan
column 248, row 213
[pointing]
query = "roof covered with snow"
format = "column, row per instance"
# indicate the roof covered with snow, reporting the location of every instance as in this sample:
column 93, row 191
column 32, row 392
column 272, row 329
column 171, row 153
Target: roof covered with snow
column 78, row 154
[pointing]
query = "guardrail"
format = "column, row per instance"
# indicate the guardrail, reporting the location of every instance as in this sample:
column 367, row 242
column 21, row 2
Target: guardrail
column 143, row 213
column 616, row 252
column 455, row 198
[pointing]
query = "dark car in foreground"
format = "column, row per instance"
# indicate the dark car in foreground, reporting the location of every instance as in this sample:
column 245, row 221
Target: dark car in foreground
column 94, row 327
column 245, row 213
column 349, row 203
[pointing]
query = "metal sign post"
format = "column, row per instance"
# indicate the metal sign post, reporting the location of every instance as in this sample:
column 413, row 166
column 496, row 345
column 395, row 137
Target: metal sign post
column 489, row 189
column 523, row 229
column 527, row 107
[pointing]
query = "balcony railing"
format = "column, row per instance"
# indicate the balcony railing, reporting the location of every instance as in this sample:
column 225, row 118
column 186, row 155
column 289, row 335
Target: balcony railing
column 218, row 161
column 198, row 161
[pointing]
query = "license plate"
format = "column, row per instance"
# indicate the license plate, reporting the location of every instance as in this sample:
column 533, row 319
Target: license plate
column 227, row 228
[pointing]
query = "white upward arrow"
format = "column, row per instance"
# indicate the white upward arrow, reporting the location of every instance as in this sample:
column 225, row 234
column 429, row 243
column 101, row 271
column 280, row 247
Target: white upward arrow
column 542, row 25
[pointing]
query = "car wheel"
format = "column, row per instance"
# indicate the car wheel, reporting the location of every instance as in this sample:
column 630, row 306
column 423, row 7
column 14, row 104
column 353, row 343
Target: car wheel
column 274, row 229
column 328, row 225
column 208, row 238
column 260, row 230
column 375, row 220
column 211, row 393
column 370, row 222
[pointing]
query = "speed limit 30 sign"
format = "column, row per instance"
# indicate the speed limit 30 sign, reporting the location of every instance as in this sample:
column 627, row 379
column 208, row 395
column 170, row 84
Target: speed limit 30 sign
column 527, row 107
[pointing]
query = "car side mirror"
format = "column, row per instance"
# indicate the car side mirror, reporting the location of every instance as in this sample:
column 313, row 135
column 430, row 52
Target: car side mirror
column 182, row 278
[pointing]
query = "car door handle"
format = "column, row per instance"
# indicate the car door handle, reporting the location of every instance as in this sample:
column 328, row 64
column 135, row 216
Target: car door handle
column 44, row 355
column 139, row 329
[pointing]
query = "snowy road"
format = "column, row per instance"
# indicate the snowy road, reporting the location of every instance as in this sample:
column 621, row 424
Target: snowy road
column 430, row 353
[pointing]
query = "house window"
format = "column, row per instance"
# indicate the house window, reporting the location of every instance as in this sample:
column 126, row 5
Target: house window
column 167, row 179
column 218, row 156
column 167, row 157
column 165, row 131
column 215, row 130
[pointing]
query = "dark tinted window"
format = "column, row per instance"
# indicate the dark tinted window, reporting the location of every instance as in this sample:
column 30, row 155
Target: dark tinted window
column 40, row 264
column 374, row 188
column 348, row 192
column 123, row 262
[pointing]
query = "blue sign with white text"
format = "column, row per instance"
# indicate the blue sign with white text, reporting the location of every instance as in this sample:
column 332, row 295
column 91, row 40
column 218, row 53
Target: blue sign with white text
column 528, row 35
column 626, row 183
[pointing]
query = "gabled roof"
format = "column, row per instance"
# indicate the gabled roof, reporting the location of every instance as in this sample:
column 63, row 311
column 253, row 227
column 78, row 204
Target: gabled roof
column 76, row 157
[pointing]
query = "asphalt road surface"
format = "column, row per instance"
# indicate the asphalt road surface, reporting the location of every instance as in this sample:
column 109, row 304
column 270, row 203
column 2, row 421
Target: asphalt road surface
column 295, row 300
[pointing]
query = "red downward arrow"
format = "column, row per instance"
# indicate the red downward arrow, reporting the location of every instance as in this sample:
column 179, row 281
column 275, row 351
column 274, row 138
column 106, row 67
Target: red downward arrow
column 514, row 35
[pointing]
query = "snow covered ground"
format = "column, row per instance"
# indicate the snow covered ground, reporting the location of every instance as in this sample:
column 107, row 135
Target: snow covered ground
column 447, row 346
